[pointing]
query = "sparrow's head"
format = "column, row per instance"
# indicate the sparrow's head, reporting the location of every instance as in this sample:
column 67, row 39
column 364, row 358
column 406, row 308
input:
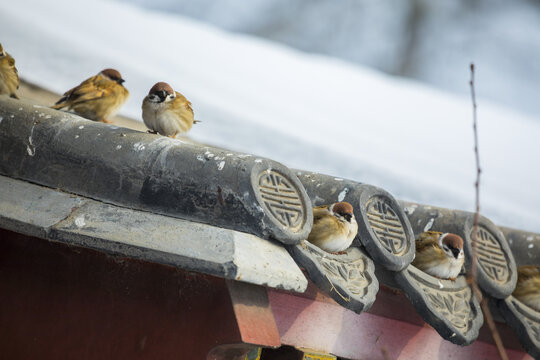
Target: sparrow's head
column 343, row 209
column 113, row 75
column 161, row 92
column 452, row 245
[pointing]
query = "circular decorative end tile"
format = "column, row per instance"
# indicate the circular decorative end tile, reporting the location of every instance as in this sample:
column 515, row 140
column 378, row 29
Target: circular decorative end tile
column 282, row 200
column 287, row 208
column 386, row 225
column 384, row 229
column 497, row 271
column 491, row 257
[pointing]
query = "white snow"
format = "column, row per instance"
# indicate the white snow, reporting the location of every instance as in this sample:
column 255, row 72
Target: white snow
column 310, row 112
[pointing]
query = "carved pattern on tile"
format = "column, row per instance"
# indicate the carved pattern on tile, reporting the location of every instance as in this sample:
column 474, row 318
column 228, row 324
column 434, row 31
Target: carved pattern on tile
column 491, row 256
column 282, row 199
column 386, row 225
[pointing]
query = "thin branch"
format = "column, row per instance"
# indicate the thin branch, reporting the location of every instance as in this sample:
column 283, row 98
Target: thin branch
column 347, row 299
column 474, row 236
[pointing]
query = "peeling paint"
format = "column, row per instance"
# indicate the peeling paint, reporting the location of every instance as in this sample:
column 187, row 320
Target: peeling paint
column 429, row 224
column 410, row 209
column 118, row 147
column 221, row 165
column 441, row 286
column 258, row 160
column 79, row 221
column 201, row 158
column 76, row 136
column 338, row 179
column 138, row 146
column 342, row 194
column 30, row 148
column 81, row 127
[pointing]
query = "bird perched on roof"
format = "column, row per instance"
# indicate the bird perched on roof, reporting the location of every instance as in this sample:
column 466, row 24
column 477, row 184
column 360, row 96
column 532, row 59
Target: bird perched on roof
column 528, row 286
column 167, row 112
column 9, row 77
column 97, row 98
column 440, row 255
column 334, row 227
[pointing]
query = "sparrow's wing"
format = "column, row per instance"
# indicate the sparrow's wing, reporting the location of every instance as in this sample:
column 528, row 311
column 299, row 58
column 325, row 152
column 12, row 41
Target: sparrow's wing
column 528, row 271
column 182, row 107
column 91, row 89
column 428, row 238
column 324, row 228
column 185, row 102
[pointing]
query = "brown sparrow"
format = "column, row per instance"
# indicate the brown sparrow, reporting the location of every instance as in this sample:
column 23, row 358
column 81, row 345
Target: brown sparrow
column 167, row 112
column 528, row 286
column 96, row 98
column 334, row 227
column 440, row 255
column 9, row 77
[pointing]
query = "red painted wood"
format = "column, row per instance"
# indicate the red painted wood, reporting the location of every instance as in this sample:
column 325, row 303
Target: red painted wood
column 253, row 314
column 327, row 327
column 60, row 302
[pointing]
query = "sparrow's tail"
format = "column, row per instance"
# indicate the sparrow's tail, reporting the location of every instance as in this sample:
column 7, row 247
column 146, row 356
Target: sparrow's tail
column 197, row 121
column 60, row 103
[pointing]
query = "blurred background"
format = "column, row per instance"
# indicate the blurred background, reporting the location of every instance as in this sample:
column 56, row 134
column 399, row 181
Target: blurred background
column 374, row 91
column 430, row 41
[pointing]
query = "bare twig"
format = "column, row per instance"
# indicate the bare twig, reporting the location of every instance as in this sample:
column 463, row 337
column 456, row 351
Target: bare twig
column 474, row 236
column 347, row 299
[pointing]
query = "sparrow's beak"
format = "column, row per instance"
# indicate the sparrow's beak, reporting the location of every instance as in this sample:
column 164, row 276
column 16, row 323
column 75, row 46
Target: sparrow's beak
column 121, row 81
column 348, row 217
column 455, row 252
column 162, row 95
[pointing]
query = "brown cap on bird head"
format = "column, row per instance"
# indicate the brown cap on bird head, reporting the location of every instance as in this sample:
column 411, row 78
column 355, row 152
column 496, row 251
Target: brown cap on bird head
column 161, row 86
column 113, row 75
column 453, row 241
column 342, row 208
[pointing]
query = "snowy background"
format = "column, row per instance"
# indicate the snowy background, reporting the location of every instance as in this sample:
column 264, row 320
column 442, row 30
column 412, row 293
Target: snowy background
column 316, row 86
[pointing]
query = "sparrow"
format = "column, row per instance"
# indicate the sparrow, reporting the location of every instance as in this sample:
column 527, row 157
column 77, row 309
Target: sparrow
column 440, row 255
column 334, row 227
column 528, row 286
column 167, row 112
column 9, row 77
column 96, row 98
